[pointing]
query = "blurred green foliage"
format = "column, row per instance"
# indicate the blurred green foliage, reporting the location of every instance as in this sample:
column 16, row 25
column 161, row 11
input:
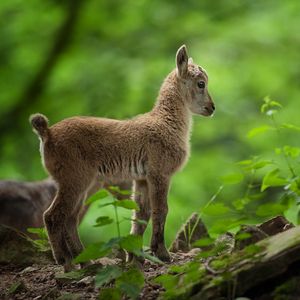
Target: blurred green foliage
column 108, row 58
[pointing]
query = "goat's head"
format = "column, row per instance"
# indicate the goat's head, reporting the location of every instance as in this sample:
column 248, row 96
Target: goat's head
column 193, row 80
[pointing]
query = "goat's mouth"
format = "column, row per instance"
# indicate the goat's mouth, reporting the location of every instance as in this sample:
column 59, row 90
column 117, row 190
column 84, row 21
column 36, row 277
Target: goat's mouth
column 207, row 111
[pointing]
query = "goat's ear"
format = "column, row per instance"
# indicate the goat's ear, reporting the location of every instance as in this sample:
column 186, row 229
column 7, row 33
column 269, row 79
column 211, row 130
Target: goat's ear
column 182, row 61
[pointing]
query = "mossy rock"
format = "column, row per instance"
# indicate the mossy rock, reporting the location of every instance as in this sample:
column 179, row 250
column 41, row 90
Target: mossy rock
column 17, row 249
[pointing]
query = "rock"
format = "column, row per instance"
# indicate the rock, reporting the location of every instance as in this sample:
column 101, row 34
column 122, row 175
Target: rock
column 191, row 231
column 276, row 260
column 17, row 249
column 255, row 235
column 275, row 225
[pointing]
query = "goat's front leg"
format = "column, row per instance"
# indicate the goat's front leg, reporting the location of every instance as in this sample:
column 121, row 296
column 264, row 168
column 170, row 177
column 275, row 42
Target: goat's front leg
column 158, row 192
column 141, row 197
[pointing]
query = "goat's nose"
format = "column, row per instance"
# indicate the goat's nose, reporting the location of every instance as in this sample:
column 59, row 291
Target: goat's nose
column 213, row 106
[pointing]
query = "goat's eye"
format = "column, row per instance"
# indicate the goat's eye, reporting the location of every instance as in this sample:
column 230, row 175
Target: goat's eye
column 201, row 84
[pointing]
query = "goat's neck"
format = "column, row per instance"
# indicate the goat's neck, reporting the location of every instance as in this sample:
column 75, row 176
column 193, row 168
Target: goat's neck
column 171, row 106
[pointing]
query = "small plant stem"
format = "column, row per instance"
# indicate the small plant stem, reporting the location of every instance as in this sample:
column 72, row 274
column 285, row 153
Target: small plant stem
column 212, row 199
column 284, row 155
column 250, row 184
column 117, row 221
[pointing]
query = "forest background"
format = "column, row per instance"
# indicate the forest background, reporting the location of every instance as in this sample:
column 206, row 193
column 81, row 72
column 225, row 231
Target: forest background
column 108, row 58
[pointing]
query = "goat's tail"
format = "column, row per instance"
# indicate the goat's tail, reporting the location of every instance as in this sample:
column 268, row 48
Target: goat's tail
column 39, row 123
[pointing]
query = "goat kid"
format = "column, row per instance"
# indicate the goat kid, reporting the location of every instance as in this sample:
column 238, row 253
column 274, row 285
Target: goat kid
column 148, row 149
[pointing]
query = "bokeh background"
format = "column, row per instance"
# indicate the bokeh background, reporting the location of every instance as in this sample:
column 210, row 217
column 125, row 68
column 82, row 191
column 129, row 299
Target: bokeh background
column 108, row 58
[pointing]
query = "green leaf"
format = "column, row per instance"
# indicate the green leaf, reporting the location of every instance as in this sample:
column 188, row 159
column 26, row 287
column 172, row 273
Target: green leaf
column 290, row 126
column 98, row 196
column 119, row 191
column 272, row 179
column 259, row 130
column 216, row 209
column 291, row 151
column 203, row 242
column 270, row 209
column 110, row 293
column 41, row 232
column 150, row 257
column 107, row 274
column 246, row 162
column 242, row 236
column 113, row 203
column 92, row 251
column 168, row 281
column 261, row 163
column 131, row 243
column 239, row 204
column 103, row 220
column 131, row 283
column 232, row 178
column 127, row 204
column 253, row 249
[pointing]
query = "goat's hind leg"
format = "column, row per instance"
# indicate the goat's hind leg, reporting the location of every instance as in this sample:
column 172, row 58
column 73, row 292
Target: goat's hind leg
column 61, row 221
column 54, row 221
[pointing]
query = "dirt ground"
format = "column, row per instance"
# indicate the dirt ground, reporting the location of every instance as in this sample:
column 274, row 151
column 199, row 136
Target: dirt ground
column 40, row 282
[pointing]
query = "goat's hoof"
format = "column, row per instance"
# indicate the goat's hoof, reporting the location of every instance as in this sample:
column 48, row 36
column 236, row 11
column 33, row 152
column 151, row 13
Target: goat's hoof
column 68, row 267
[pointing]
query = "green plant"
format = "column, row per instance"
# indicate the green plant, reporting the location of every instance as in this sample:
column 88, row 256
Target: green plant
column 128, row 281
column 42, row 242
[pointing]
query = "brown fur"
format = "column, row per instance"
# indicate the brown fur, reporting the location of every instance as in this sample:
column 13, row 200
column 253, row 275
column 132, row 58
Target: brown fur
column 148, row 149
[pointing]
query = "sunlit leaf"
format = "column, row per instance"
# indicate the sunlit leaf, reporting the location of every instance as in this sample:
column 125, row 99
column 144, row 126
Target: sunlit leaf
column 203, row 242
column 242, row 236
column 261, row 164
column 239, row 204
column 98, row 196
column 41, row 232
column 127, row 204
column 119, row 191
column 291, row 151
column 259, row 130
column 290, row 126
column 272, row 179
column 246, row 162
